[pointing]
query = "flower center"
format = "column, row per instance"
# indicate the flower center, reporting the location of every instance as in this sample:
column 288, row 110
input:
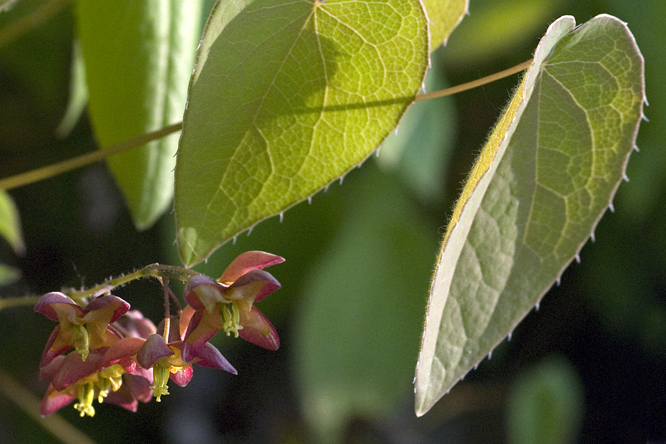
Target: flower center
column 81, row 340
column 231, row 319
column 109, row 379
column 160, row 379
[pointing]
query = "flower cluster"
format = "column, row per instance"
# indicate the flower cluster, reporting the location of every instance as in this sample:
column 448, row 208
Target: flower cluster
column 106, row 351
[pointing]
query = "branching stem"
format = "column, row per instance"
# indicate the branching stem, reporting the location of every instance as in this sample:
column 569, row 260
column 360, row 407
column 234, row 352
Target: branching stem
column 95, row 156
column 153, row 270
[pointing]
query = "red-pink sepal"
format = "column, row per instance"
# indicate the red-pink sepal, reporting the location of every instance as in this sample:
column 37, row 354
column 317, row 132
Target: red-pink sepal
column 258, row 330
column 53, row 401
column 206, row 289
column 105, row 310
column 203, row 327
column 50, row 352
column 123, row 398
column 182, row 377
column 154, row 348
column 252, row 287
column 122, row 353
column 203, row 293
column 45, row 307
column 73, row 369
column 246, row 262
column 134, row 324
column 58, row 307
column 184, row 320
column 139, row 385
column 48, row 371
column 206, row 355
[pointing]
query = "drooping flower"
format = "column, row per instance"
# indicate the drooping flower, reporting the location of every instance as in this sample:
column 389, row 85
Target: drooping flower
column 74, row 379
column 109, row 372
column 228, row 303
column 80, row 328
column 165, row 359
column 120, row 357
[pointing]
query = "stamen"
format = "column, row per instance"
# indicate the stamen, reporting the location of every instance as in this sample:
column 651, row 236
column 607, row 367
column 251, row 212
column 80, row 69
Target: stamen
column 104, row 385
column 86, row 394
column 160, row 379
column 81, row 340
column 231, row 319
column 109, row 379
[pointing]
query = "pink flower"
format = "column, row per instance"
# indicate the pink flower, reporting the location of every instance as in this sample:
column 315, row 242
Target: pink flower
column 72, row 378
column 80, row 328
column 163, row 360
column 167, row 363
column 228, row 304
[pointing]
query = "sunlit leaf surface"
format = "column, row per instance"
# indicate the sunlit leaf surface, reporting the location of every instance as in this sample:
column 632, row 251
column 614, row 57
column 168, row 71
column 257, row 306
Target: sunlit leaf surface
column 444, row 16
column 285, row 98
column 541, row 184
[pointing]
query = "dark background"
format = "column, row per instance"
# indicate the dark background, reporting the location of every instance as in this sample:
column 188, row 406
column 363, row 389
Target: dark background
column 356, row 279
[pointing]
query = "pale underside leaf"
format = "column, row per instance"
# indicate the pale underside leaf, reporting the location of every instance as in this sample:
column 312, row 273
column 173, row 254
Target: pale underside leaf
column 541, row 184
column 286, row 97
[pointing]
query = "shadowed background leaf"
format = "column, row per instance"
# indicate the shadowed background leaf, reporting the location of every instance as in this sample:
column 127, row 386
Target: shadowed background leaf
column 138, row 58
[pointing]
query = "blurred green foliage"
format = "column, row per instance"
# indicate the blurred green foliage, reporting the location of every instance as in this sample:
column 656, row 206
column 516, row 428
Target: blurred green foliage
column 608, row 318
column 545, row 404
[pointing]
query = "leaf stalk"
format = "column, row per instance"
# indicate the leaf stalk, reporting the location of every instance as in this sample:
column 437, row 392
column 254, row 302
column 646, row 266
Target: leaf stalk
column 55, row 169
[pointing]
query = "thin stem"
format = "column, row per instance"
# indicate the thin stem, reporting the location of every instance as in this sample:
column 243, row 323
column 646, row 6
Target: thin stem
column 95, row 156
column 152, row 270
column 17, row 302
column 29, row 403
column 167, row 310
column 475, row 83
column 24, row 24
column 86, row 159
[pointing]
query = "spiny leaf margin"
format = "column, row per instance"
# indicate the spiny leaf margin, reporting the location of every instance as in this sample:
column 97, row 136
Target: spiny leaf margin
column 500, row 254
column 275, row 117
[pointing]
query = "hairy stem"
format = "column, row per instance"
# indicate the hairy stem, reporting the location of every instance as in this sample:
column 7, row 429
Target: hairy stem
column 152, row 270
column 475, row 83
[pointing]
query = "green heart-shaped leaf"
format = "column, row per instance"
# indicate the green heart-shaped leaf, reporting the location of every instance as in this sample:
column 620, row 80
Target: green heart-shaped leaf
column 285, row 98
column 534, row 197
